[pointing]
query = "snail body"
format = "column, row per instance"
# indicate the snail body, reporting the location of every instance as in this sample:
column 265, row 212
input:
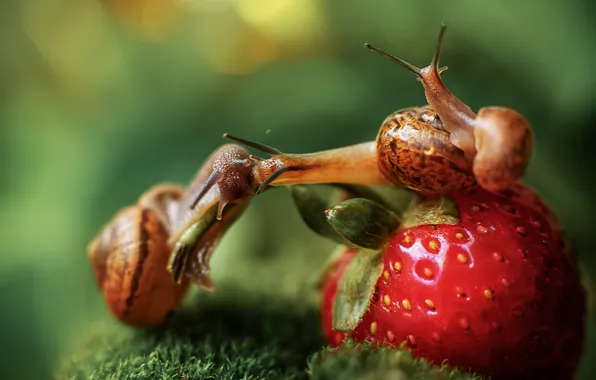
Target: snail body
column 147, row 255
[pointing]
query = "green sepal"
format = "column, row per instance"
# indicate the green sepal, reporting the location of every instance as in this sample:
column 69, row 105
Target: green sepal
column 314, row 211
column 311, row 207
column 363, row 222
column 431, row 210
column 356, row 288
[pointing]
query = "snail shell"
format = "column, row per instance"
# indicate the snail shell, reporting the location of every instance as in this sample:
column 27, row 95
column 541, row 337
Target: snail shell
column 129, row 259
column 414, row 150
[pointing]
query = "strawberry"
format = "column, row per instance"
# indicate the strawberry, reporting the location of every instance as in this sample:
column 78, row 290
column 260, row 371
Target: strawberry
column 481, row 281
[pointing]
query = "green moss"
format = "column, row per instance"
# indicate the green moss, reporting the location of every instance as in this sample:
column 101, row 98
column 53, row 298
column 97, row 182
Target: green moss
column 365, row 362
column 223, row 336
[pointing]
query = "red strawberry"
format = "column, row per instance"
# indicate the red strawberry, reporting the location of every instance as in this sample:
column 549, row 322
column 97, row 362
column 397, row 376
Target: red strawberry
column 492, row 291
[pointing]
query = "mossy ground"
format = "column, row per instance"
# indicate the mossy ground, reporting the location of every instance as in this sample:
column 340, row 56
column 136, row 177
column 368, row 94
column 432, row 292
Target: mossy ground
column 225, row 336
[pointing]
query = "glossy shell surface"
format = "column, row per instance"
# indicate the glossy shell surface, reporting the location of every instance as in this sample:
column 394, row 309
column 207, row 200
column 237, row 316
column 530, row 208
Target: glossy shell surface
column 414, row 150
column 130, row 257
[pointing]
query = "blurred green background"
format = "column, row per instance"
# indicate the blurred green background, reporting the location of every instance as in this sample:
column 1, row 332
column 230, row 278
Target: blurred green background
column 100, row 100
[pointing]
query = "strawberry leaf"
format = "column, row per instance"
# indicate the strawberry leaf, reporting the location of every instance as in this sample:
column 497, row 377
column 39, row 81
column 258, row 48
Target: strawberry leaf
column 355, row 289
column 313, row 210
column 363, row 222
column 431, row 210
column 311, row 207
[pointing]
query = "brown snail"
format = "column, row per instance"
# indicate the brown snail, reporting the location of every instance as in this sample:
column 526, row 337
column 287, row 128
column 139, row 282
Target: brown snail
column 494, row 145
column 441, row 148
column 145, row 258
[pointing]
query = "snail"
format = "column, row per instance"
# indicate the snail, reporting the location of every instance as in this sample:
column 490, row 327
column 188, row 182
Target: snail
column 491, row 147
column 440, row 148
column 146, row 257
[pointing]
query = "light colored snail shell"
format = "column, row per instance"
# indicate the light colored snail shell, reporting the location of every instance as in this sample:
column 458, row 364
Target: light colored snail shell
column 129, row 259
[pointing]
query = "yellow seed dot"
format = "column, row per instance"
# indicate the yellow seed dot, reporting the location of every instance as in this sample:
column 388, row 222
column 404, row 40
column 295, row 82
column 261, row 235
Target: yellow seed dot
column 373, row 328
column 428, row 273
column 459, row 235
column 482, row 229
column 488, row 293
column 397, row 266
column 390, row 335
column 406, row 304
column 461, row 258
column 386, row 274
column 430, row 304
column 387, row 300
column 407, row 239
column 433, row 245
